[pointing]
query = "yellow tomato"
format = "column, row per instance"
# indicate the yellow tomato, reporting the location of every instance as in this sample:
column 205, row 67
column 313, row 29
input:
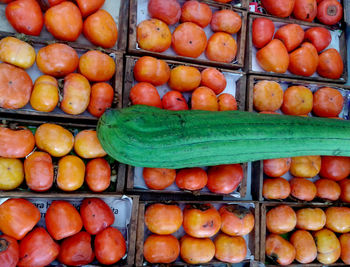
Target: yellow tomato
column 87, row 145
column 45, row 94
column 17, row 52
column 71, row 173
column 11, row 173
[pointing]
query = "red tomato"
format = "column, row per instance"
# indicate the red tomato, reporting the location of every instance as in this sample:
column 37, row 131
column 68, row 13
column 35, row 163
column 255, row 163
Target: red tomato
column 98, row 175
column 320, row 37
column 145, row 94
column 88, row 7
column 174, row 100
column 37, row 249
column 329, row 12
column 305, row 10
column 9, row 251
column 25, row 16
column 191, row 179
column 101, row 98
column 110, row 246
column 335, row 168
column 96, row 215
column 224, row 179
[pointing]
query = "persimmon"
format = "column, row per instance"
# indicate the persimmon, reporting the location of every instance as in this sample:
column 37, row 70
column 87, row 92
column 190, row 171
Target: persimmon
column 88, row 7
column 153, row 35
column 236, row 220
column 281, row 219
column 222, row 47
column 312, row 219
column 276, row 167
column 328, row 189
column 280, row 249
column 231, row 249
column 151, row 70
column 71, row 172
column 263, row 30
column 344, row 240
column 161, row 248
column 11, row 173
column 328, row 246
column 87, row 145
column 16, row 143
column 320, row 37
column 303, row 61
column 227, row 102
column 267, row 96
column 305, row 247
column 327, row 102
column 291, row 35
column 345, row 190
column 227, row 21
column 45, row 94
column 329, row 12
column 273, row 57
column 196, row 250
column 334, row 167
column 168, row 11
column 9, row 251
column 279, row 8
column 276, row 188
column 196, row 12
column 184, row 78
column 158, row 178
column 297, row 100
column 303, row 189
column 203, row 98
column 330, row 64
column 191, row 179
column 101, row 98
column 174, row 100
column 145, row 94
column 98, row 175
column 305, row 10
column 224, row 179
column 214, row 79
column 338, row 219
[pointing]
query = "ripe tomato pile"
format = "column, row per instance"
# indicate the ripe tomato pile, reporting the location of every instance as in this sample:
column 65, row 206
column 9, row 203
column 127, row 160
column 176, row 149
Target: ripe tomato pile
column 67, row 237
column 301, row 51
column 196, row 225
column 312, row 233
column 31, row 157
column 65, row 20
column 55, row 61
column 198, row 22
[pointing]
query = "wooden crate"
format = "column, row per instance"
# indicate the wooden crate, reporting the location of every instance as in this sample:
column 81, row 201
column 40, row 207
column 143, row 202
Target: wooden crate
column 252, row 66
column 130, row 82
column 253, row 242
column 117, row 8
column 170, row 54
column 78, row 197
column 264, row 208
column 241, row 4
column 116, row 82
column 257, row 166
column 118, row 169
column 346, row 12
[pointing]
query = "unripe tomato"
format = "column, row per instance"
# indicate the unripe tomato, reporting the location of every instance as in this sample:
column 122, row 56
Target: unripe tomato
column 87, row 145
column 17, row 52
column 45, row 94
column 11, row 173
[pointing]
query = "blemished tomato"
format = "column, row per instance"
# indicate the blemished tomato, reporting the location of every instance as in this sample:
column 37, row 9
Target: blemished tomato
column 201, row 220
column 302, row 189
column 291, row 35
column 98, row 175
column 101, row 29
column 101, row 98
column 76, row 250
column 11, row 173
column 17, row 52
column 276, row 188
column 344, row 240
column 267, row 96
column 236, row 220
column 279, row 249
column 16, row 143
column 76, row 94
column 17, row 217
column 262, row 32
column 312, row 219
column 163, row 219
column 158, row 178
column 191, row 179
column 196, row 250
column 297, row 100
column 327, row 102
column 87, row 145
column 153, row 35
column 15, row 87
column 227, row 102
column 64, row 21
column 203, row 98
column 189, row 40
column 305, row 247
column 54, row 139
column 9, row 251
column 214, row 79
column 145, row 94
column 305, row 10
column 39, row 172
column 45, row 94
column 279, row 8
column 281, row 219
column 57, row 60
column 226, row 21
column 110, row 246
column 273, row 57
column 305, row 166
column 161, row 248
column 196, row 12
column 184, row 78
column 231, row 249
column 151, row 70
column 345, row 190
column 222, row 47
column 168, row 11
column 88, row 7
column 62, row 220
column 276, row 167
column 37, row 249
column 327, row 243
column 320, row 37
column 303, row 61
column 329, row 12
column 335, row 168
column 25, row 16
column 96, row 66
column 71, row 172
column 174, row 100
column 327, row 189
column 96, row 215
column 338, row 219
column 224, row 179
column 330, row 64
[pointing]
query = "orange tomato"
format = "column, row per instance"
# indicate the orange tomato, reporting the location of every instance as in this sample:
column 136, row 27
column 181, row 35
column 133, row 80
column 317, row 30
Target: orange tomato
column 227, row 102
column 196, row 250
column 303, row 189
column 276, row 188
column 267, row 96
column 203, row 98
column 236, row 220
column 145, row 94
column 15, row 87
column 305, row 247
column 330, row 64
column 64, row 21
column 280, row 249
column 54, row 139
column 191, row 179
column 276, row 167
column 45, row 94
column 9, row 251
column 88, row 7
column 101, row 29
column 87, row 145
column 168, row 11
column 101, row 98
column 174, row 100
column 297, row 100
column 291, row 35
column 71, row 172
column 151, row 70
column 161, row 248
column 18, row 216
column 328, row 189
column 184, row 78
column 196, row 12
column 222, row 47
column 273, row 57
column 231, row 249
column 157, row 178
column 57, row 60
column 281, row 219
column 226, row 20
column 16, row 143
column 214, row 79
column 38, row 170
column 98, row 175
column 327, row 102
column 224, row 179
column 96, row 66
column 312, row 219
